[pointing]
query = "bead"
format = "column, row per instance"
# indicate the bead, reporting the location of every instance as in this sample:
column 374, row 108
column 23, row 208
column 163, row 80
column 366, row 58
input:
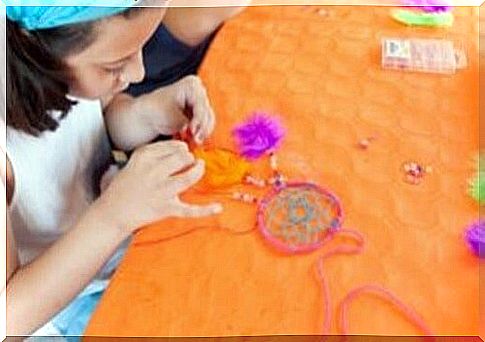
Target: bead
column 273, row 162
column 415, row 172
column 244, row 197
column 364, row 144
column 261, row 183
column 277, row 180
column 412, row 180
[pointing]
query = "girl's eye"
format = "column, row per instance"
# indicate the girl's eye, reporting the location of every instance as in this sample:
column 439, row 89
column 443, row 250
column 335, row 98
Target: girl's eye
column 114, row 71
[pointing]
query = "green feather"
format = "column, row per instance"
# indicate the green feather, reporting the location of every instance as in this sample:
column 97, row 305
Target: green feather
column 413, row 18
column 477, row 184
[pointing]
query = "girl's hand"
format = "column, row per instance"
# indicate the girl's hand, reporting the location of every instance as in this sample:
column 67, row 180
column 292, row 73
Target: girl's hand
column 108, row 177
column 180, row 106
column 147, row 189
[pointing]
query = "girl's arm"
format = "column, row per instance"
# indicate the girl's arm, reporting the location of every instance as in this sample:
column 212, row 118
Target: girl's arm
column 132, row 122
column 143, row 192
column 37, row 291
column 127, row 123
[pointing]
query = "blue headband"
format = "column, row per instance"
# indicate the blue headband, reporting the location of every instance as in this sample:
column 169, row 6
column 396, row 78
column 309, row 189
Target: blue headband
column 44, row 17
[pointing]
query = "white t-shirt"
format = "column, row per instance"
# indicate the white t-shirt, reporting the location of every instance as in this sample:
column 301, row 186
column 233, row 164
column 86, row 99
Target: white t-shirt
column 56, row 175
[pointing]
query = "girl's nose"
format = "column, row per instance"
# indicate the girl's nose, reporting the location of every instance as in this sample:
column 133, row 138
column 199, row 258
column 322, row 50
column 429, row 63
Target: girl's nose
column 135, row 70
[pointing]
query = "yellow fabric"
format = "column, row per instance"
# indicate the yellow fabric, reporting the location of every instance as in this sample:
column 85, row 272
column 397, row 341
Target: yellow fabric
column 222, row 167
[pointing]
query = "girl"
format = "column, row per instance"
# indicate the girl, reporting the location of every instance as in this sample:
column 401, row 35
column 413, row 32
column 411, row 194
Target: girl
column 60, row 235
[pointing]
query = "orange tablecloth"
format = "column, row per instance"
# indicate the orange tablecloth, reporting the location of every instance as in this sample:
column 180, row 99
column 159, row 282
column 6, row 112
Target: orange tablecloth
column 321, row 72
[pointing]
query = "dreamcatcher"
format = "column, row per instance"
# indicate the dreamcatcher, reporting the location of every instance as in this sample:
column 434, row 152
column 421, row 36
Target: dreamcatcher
column 293, row 217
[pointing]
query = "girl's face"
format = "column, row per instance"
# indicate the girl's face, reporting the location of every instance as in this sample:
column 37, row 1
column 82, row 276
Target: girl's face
column 114, row 59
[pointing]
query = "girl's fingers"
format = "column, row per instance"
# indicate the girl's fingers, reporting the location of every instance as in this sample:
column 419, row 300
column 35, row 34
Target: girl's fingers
column 210, row 125
column 175, row 163
column 164, row 149
column 179, row 183
column 206, row 124
column 176, row 123
column 199, row 101
column 195, row 127
column 199, row 121
column 190, row 210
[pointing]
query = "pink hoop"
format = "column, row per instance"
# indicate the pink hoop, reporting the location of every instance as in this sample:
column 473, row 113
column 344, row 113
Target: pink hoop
column 307, row 248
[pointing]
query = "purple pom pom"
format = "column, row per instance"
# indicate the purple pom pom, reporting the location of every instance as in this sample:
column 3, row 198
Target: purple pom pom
column 430, row 6
column 260, row 134
column 475, row 236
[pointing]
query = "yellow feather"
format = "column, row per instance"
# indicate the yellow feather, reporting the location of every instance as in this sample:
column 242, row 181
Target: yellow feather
column 223, row 168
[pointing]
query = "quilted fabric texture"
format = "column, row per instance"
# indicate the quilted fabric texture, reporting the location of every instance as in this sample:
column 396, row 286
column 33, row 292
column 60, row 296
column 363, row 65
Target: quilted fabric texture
column 319, row 68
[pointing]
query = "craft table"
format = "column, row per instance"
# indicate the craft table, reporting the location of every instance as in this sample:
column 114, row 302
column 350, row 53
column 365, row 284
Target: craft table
column 319, row 68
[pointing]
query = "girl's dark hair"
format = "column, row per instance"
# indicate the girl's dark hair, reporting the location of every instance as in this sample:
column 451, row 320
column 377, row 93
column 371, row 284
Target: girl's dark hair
column 37, row 77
